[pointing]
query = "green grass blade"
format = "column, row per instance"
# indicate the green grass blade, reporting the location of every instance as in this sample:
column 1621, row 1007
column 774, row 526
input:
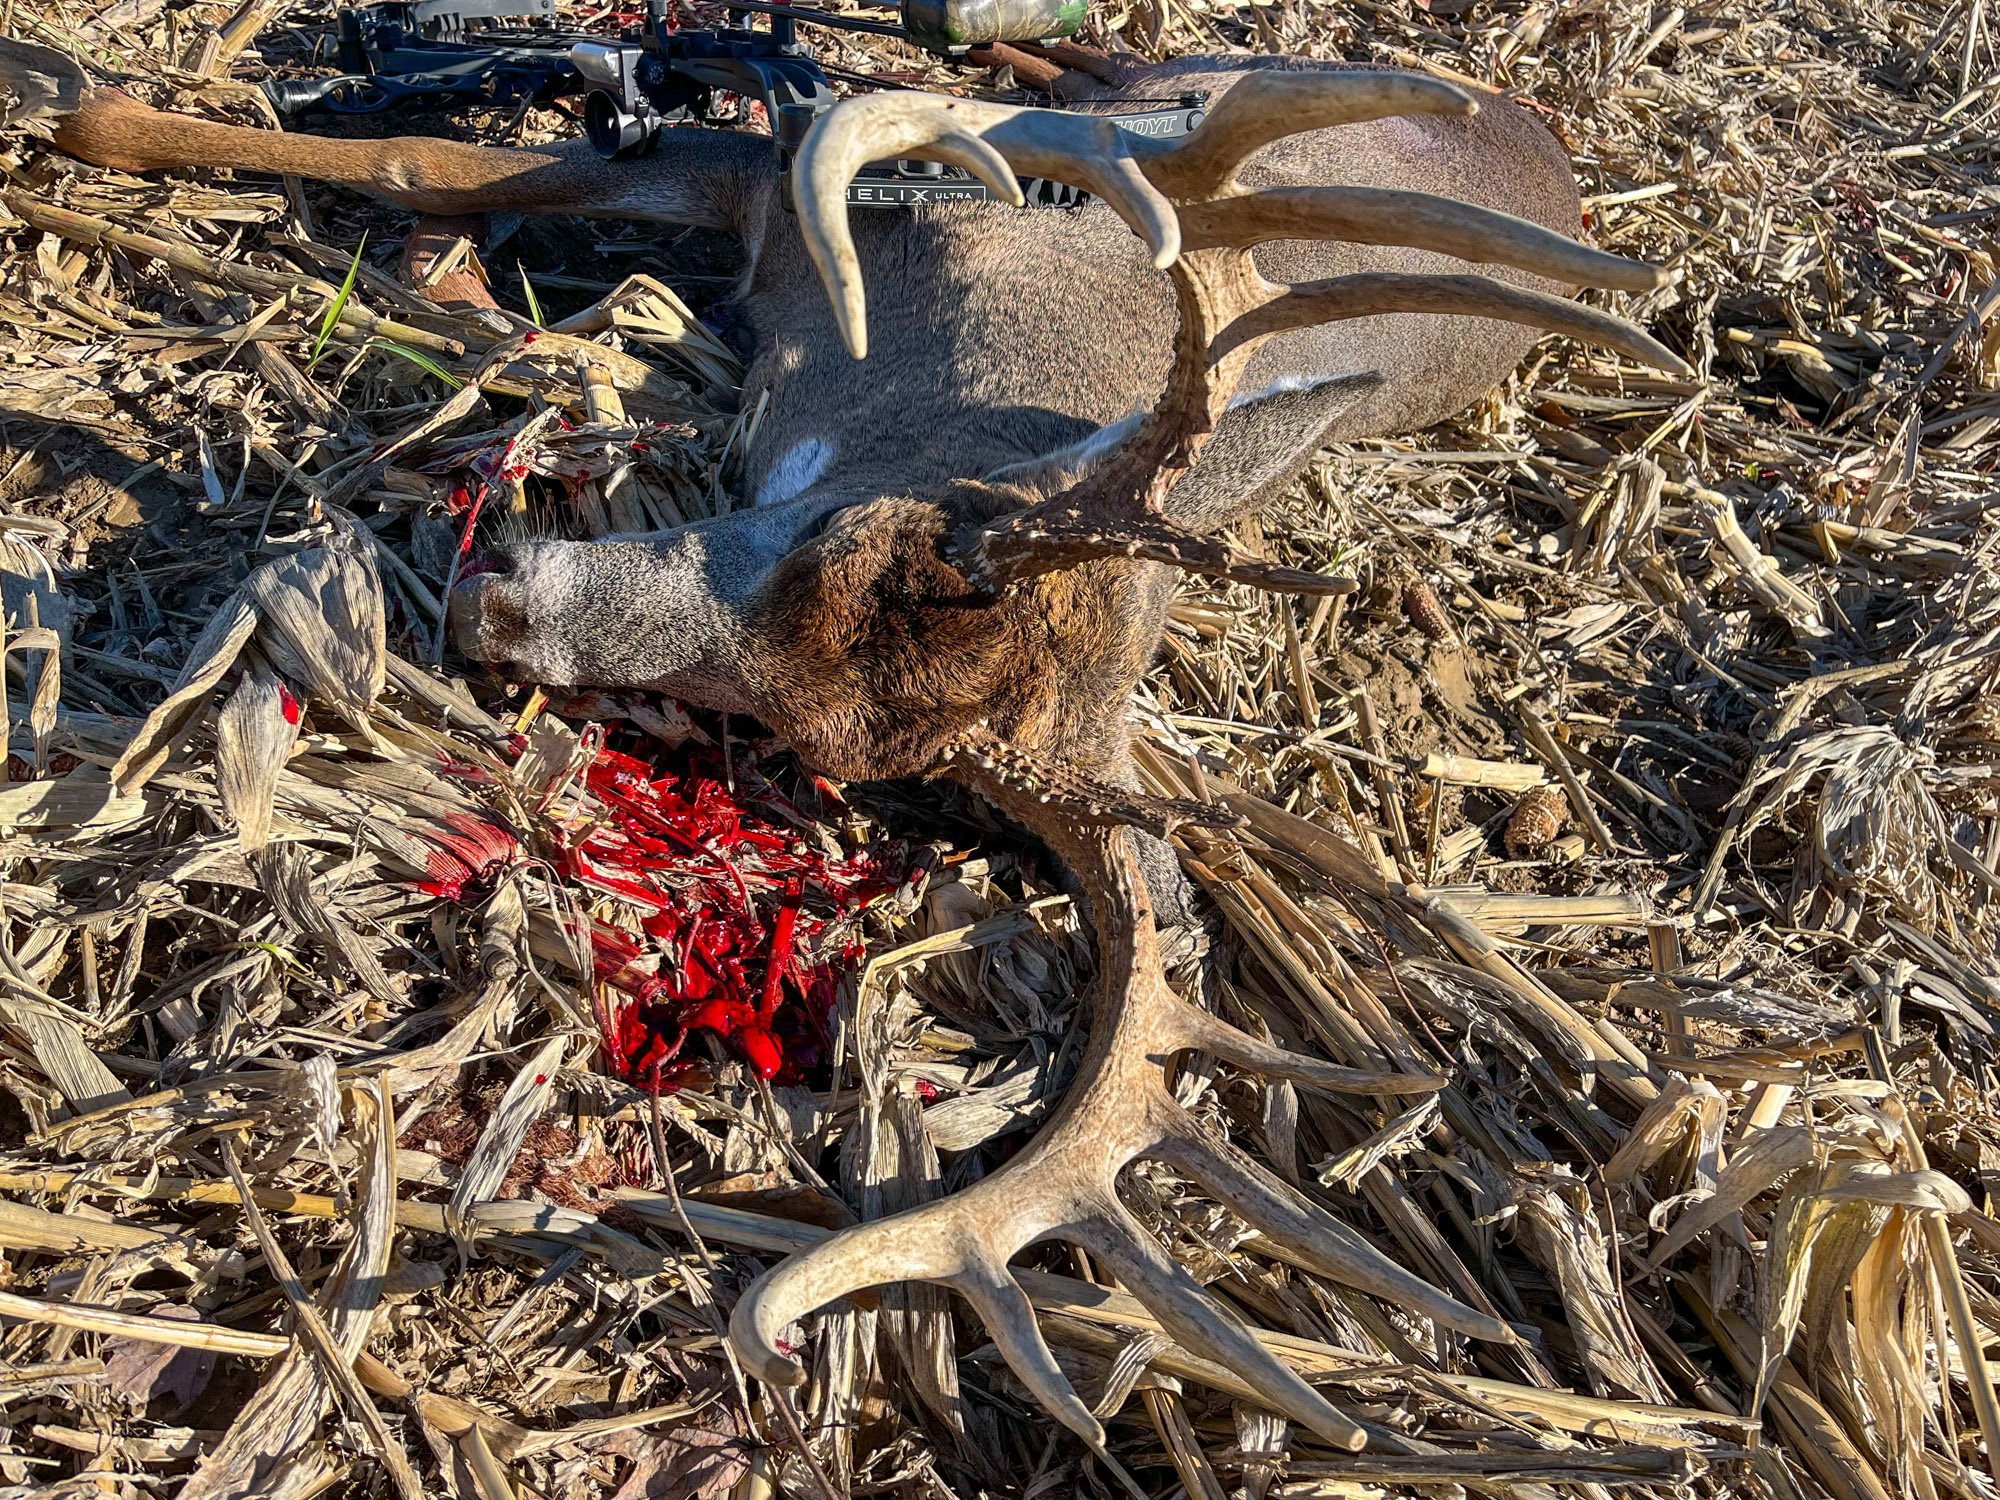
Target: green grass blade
column 333, row 308
column 421, row 360
column 528, row 294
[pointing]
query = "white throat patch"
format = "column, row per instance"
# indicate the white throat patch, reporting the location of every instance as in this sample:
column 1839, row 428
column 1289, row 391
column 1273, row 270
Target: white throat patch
column 798, row 470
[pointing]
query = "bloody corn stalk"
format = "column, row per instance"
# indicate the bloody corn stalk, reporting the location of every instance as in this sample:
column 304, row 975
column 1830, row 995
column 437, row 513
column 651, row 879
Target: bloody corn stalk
column 742, row 923
column 735, row 923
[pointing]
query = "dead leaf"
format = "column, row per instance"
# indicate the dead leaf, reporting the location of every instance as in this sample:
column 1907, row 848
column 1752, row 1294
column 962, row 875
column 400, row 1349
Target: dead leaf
column 323, row 620
column 214, row 652
column 142, row 1371
column 685, row 1463
column 258, row 727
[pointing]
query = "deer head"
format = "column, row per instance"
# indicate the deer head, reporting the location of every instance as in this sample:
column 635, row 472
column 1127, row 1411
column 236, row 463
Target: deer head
column 875, row 631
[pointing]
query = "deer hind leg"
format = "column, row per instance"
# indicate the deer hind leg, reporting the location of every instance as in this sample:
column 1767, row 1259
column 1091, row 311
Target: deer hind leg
column 1067, row 70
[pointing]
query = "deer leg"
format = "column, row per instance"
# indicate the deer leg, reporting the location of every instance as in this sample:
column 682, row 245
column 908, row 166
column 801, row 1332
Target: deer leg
column 112, row 129
column 1030, row 71
column 712, row 178
column 1065, row 70
column 1084, row 70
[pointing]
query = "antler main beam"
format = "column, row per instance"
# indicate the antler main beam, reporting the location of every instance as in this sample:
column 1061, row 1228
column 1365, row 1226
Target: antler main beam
column 1181, row 195
column 1064, row 1185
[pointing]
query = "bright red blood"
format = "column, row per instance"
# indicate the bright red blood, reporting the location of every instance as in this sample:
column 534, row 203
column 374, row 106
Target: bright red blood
column 733, row 911
column 465, row 851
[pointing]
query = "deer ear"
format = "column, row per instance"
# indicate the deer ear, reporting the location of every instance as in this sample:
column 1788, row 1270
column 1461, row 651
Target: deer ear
column 1260, row 444
column 1047, row 473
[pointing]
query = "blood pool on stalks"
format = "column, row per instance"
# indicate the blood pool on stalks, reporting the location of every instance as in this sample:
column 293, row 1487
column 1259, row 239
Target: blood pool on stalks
column 725, row 896
column 733, row 911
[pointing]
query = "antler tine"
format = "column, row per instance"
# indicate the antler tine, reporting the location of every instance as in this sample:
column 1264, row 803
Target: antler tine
column 851, row 1260
column 1063, row 539
column 1268, row 106
column 1010, row 1322
column 1366, row 294
column 991, row 141
column 1136, row 175
column 1213, row 1034
column 1420, row 221
column 1205, row 1328
column 879, row 128
column 1225, row 308
column 1117, row 1110
column 1296, row 1224
column 965, row 1242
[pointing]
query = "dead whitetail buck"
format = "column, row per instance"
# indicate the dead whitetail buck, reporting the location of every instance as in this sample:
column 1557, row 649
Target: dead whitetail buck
column 954, row 563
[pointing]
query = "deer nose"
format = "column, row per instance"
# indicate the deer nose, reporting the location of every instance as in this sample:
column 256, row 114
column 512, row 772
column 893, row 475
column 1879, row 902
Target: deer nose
column 465, row 615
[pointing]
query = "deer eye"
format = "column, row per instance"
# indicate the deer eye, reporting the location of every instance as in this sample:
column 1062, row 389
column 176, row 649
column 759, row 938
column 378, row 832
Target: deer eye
column 819, row 525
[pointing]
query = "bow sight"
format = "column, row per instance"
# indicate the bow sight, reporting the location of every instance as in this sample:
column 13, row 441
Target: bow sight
column 637, row 86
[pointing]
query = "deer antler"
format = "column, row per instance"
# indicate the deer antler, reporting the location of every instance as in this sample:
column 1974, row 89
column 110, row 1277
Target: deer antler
column 1117, row 1111
column 1185, row 202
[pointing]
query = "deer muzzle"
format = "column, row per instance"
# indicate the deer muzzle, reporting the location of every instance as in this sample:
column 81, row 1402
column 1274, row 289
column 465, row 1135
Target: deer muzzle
column 666, row 611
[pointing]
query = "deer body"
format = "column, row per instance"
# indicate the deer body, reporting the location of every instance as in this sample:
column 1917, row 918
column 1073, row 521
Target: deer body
column 1002, row 334
column 1010, row 345
column 962, row 561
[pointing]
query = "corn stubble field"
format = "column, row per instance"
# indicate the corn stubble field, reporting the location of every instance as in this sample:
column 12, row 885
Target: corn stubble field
column 1648, row 789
